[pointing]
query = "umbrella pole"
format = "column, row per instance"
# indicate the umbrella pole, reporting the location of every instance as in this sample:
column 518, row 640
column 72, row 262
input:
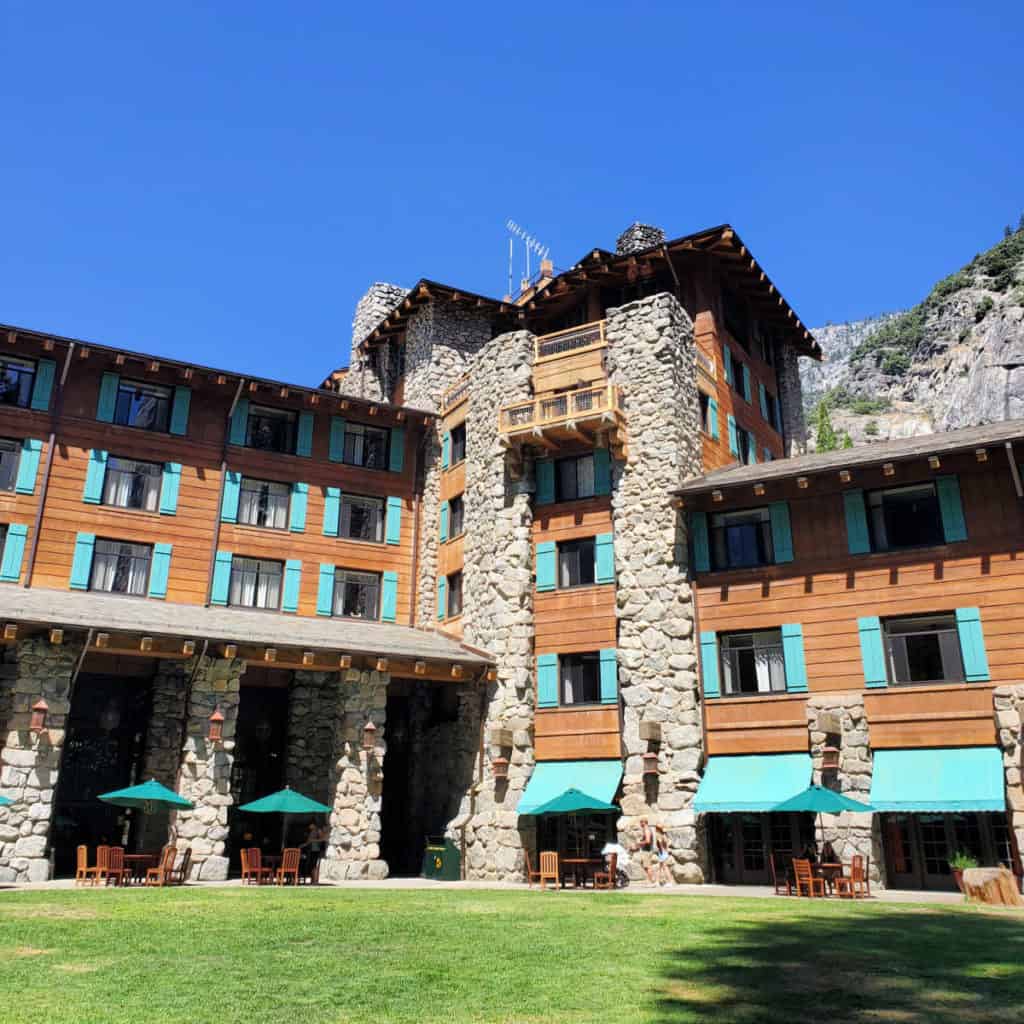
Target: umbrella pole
column 284, row 829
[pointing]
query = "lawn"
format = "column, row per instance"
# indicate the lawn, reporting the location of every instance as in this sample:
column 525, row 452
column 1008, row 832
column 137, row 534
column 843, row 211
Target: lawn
column 220, row 956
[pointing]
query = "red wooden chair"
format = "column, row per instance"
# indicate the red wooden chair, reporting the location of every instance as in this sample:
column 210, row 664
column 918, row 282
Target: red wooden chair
column 163, row 873
column 258, row 874
column 853, row 885
column 99, row 872
column 83, row 873
column 179, row 875
column 289, row 866
column 806, row 879
column 549, row 869
column 606, row 879
column 780, row 878
column 531, row 874
column 115, row 871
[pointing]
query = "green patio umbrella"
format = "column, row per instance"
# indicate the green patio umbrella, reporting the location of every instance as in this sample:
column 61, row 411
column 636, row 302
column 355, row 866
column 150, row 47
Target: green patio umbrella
column 284, row 802
column 573, row 801
column 147, row 796
column 819, row 800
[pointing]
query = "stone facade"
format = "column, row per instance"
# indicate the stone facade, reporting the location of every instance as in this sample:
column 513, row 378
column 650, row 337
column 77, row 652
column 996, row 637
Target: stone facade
column 315, row 703
column 791, row 400
column 1008, row 704
column 638, row 237
column 368, row 375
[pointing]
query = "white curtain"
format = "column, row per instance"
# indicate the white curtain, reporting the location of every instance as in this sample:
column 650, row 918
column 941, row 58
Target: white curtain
column 252, row 586
column 121, row 568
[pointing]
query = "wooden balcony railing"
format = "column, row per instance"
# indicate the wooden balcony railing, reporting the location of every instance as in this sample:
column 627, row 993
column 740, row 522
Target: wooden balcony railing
column 457, row 393
column 582, row 404
column 574, row 339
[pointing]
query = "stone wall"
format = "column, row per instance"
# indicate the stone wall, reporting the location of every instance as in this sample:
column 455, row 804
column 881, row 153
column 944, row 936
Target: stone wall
column 638, row 237
column 651, row 357
column 791, row 400
column 362, row 381
column 314, row 705
column 1009, row 712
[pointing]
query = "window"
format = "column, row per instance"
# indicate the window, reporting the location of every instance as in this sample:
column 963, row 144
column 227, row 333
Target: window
column 454, row 594
column 735, row 370
column 362, row 518
column 146, row 406
column 574, row 478
column 456, row 513
column 772, row 406
column 255, row 583
column 576, row 563
column 10, row 456
column 705, row 412
column 924, row 650
column 16, row 379
column 905, row 517
column 132, row 484
column 357, row 594
column 365, row 446
column 272, row 430
column 580, row 678
column 747, row 446
column 741, row 540
column 262, row 503
column 458, row 443
column 119, row 568
column 737, row 323
column 753, row 663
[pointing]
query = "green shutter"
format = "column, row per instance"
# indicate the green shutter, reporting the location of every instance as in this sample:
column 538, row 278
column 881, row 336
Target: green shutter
column 336, row 442
column 396, row 450
column 954, row 527
column 751, row 448
column 229, row 502
column 545, row 470
column 701, row 545
column 107, row 404
column 393, row 522
column 389, row 597
column 602, row 471
column 42, row 386
column 609, row 677
column 443, row 521
column 292, row 585
column 221, row 578
column 160, row 570
column 95, row 473
column 727, row 365
column 782, row 535
column 442, row 597
column 547, row 680
column 446, row 449
column 734, row 441
column 304, row 435
column 28, row 466
column 762, row 395
column 325, row 590
column 239, row 422
column 13, row 553
column 709, row 663
column 81, row 564
column 170, row 484
column 297, row 507
column 179, row 410
column 713, row 417
column 972, row 645
column 332, row 511
column 746, row 381
column 858, row 542
column 793, row 656
column 872, row 652
column 546, row 565
column 768, row 457
column 604, row 558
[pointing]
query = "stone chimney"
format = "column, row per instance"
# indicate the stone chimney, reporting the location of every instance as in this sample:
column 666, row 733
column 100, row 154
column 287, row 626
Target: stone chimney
column 638, row 237
column 380, row 299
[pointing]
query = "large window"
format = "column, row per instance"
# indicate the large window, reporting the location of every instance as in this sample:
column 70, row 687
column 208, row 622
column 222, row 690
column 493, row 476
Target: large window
column 904, row 517
column 456, row 513
column 705, row 412
column 735, row 370
column 255, row 583
column 458, row 443
column 741, row 540
column 753, row 662
column 362, row 518
column 129, row 483
column 454, row 594
column 924, row 650
column 580, row 678
column 16, row 379
column 576, row 563
column 10, row 455
column 146, row 406
column 120, row 568
column 574, row 478
column 272, row 430
column 357, row 594
column 366, row 446
column 772, row 407
column 262, row 503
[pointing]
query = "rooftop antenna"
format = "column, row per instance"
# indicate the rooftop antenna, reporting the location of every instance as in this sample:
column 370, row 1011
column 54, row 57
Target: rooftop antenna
column 530, row 244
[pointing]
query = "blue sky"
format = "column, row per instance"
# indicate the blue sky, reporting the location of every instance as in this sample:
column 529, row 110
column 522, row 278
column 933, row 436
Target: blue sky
column 221, row 182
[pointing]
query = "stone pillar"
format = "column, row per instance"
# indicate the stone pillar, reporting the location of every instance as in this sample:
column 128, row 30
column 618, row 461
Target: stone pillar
column 791, row 400
column 652, row 358
column 205, row 776
column 361, row 381
column 314, row 707
column 1009, row 710
column 30, row 763
column 638, row 237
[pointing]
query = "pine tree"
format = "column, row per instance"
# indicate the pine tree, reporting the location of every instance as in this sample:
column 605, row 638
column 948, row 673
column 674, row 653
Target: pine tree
column 847, row 441
column 1020, row 223
column 1007, row 231
column 825, row 435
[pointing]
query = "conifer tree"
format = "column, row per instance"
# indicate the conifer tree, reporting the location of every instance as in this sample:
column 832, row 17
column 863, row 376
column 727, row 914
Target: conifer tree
column 825, row 435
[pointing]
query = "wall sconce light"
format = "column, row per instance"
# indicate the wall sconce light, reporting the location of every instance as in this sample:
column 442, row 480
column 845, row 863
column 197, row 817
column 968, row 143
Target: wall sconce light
column 889, row 469
column 456, row 671
column 759, row 489
column 382, row 664
column 270, row 654
column 56, row 637
column 844, row 476
column 102, row 640
column 716, row 495
column 830, row 758
column 802, row 482
column 231, row 651
column 650, row 763
column 308, row 658
column 492, row 675
column 10, row 631
column 215, row 732
column 981, row 454
column 369, row 736
column 420, row 668
column 345, row 661
column 188, row 648
column 39, row 711
column 146, row 643
column 499, row 765
column 934, row 461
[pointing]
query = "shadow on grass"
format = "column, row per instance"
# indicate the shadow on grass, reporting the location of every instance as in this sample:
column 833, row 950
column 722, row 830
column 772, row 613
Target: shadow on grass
column 924, row 966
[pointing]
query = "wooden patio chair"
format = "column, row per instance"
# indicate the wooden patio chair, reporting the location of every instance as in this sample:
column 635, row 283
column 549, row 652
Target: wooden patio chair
column 179, row 875
column 780, row 878
column 531, row 875
column 806, row 879
column 606, row 879
column 115, row 871
column 854, row 884
column 99, row 872
column 549, row 868
column 289, row 866
column 258, row 874
column 83, row 873
column 162, row 874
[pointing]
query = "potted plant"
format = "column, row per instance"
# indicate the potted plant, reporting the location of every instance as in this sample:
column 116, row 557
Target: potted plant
column 958, row 864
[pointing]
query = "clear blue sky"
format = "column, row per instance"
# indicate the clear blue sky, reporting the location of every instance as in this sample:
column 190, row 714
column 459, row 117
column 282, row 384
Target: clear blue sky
column 222, row 185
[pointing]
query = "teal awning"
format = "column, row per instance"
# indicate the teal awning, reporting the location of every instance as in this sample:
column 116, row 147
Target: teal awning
column 550, row 779
column 751, row 782
column 939, row 779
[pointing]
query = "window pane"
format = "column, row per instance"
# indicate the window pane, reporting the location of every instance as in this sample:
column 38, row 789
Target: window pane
column 255, row 583
column 753, row 662
column 262, row 503
column 120, row 568
column 16, row 379
column 132, row 484
column 271, row 429
column 566, row 479
column 581, row 678
column 357, row 595
column 925, row 649
column 585, row 476
column 362, row 518
column 10, row 455
column 365, row 446
column 576, row 563
column 458, row 452
column 146, row 406
column 455, row 511
column 454, row 594
column 905, row 517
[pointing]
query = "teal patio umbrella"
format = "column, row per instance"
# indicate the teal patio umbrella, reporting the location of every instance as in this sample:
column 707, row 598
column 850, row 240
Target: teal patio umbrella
column 819, row 800
column 284, row 802
column 573, row 801
column 146, row 797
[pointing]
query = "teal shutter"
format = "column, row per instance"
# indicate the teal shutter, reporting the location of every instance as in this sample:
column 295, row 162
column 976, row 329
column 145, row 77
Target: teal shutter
column 604, row 558
column 763, row 398
column 221, row 578
column 547, row 680
column 545, row 470
column 701, row 544
column 713, row 418
column 229, row 503
column 42, row 387
column 872, row 652
column 95, row 474
column 332, row 511
column 972, row 645
column 336, row 442
column 746, row 381
column 159, row 570
column 709, row 663
column 28, row 466
column 751, row 448
column 602, row 471
column 304, row 435
column 107, row 404
column 389, row 597
column 292, row 585
column 793, row 656
column 396, row 450
column 81, row 564
column 546, row 565
column 858, row 542
column 239, row 422
column 169, row 487
column 393, row 522
column 609, row 677
column 768, row 457
column 727, row 365
column 325, row 590
column 179, row 410
column 954, row 528
column 782, row 535
column 13, row 553
column 442, row 597
column 297, row 508
column 445, row 516
column 734, row 441
column 446, row 449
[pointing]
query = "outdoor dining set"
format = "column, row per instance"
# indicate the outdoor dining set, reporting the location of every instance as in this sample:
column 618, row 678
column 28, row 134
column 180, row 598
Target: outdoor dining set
column 115, row 866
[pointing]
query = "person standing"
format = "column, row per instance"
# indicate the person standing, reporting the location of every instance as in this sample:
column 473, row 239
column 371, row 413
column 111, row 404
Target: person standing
column 646, row 849
column 662, row 855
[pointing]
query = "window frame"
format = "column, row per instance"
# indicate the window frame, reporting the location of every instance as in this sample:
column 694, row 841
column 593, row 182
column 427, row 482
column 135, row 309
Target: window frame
column 457, row 442
column 23, row 366
column 289, row 416
column 354, row 428
column 589, row 660
column 97, row 560
column 453, row 586
column 348, row 501
column 576, row 460
column 163, row 392
column 704, row 411
column 574, row 546
column 108, row 480
column 765, row 539
column 888, row 547
column 456, row 502
column 949, row 628
column 344, row 577
column 15, row 451
column 727, row 646
column 260, row 562
column 270, row 483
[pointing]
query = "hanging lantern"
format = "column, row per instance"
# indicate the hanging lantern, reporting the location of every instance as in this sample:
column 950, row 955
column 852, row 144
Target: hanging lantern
column 830, row 758
column 39, row 710
column 650, row 763
column 369, row 736
column 216, row 720
column 499, row 765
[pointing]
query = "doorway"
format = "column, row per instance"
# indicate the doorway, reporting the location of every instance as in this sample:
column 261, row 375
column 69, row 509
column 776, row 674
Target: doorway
column 741, row 844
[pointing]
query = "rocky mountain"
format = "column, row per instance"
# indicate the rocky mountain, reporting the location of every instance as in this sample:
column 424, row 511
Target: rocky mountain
column 956, row 359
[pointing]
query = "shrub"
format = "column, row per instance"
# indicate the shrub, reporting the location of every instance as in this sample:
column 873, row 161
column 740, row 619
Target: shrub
column 869, row 406
column 871, row 428
column 961, row 861
column 982, row 309
column 895, row 363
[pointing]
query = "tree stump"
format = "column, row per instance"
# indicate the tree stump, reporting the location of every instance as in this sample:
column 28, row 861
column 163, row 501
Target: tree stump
column 992, row 885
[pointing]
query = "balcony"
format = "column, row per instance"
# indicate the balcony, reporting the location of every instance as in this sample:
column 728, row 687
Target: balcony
column 455, row 395
column 574, row 340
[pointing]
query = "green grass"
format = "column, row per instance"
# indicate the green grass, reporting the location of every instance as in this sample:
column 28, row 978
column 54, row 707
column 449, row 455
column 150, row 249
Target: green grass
column 447, row 957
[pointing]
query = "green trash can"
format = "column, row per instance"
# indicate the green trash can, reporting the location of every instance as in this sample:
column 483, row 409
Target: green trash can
column 441, row 860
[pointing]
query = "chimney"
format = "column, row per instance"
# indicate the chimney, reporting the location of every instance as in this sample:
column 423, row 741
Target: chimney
column 547, row 269
column 379, row 300
column 638, row 237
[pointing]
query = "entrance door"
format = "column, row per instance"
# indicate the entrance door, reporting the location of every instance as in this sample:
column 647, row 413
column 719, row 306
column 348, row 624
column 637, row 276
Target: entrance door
column 742, row 844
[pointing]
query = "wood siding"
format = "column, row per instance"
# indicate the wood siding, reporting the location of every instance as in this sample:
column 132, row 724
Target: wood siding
column 566, row 371
column 749, row 725
column 576, row 734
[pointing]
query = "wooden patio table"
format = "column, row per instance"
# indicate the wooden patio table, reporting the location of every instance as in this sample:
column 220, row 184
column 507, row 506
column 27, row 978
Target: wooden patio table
column 578, row 866
column 137, row 863
column 830, row 870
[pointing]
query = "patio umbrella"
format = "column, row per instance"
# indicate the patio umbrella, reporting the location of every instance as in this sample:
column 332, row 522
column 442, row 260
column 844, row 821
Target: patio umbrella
column 573, row 801
column 147, row 796
column 284, row 802
column 819, row 800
